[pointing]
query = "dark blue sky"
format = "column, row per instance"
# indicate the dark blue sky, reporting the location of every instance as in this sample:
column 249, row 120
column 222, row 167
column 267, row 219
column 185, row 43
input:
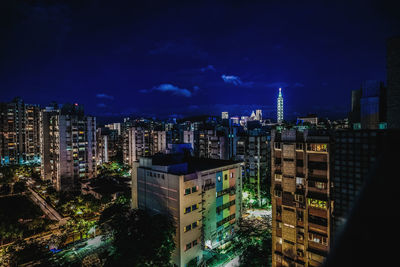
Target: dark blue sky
column 121, row 57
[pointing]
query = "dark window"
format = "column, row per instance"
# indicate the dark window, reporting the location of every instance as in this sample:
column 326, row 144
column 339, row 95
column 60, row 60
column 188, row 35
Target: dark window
column 317, row 220
column 187, row 191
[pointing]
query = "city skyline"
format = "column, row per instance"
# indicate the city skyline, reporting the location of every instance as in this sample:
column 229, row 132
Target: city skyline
column 122, row 59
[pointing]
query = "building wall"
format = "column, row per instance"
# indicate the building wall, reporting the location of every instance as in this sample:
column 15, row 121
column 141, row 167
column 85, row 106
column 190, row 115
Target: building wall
column 191, row 201
column 354, row 157
column 69, row 150
column 393, row 83
column 19, row 133
column 301, row 202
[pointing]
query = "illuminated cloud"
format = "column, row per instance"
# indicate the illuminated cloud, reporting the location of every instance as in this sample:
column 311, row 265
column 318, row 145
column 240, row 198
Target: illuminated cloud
column 235, row 80
column 208, row 68
column 105, row 96
column 167, row 87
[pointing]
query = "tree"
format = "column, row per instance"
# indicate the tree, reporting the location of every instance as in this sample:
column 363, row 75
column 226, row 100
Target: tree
column 254, row 241
column 138, row 238
column 23, row 251
column 19, row 187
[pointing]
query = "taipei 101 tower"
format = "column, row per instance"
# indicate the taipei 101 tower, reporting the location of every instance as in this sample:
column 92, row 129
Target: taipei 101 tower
column 280, row 106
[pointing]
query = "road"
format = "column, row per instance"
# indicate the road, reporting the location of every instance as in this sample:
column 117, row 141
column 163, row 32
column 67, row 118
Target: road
column 46, row 208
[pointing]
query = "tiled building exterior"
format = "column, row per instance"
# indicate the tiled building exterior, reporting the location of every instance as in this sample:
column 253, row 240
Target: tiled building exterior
column 203, row 196
column 301, row 198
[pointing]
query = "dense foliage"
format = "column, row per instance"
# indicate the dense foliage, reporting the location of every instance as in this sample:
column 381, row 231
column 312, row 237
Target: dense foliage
column 254, row 241
column 19, row 217
column 138, row 238
column 23, row 251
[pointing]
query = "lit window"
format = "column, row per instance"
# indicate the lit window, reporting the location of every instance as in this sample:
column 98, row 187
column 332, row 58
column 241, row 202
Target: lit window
column 317, row 203
column 219, row 178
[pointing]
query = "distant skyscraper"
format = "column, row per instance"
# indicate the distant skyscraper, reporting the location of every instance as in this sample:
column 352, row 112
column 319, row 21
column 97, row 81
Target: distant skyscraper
column 225, row 115
column 258, row 114
column 280, row 106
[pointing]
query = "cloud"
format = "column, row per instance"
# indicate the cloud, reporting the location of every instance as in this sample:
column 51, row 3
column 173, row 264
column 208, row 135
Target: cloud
column 101, row 105
column 105, row 96
column 209, row 67
column 235, row 80
column 167, row 87
column 196, row 88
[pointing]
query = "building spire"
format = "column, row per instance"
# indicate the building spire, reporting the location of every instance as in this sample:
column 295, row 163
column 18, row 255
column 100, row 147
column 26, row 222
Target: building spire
column 280, row 107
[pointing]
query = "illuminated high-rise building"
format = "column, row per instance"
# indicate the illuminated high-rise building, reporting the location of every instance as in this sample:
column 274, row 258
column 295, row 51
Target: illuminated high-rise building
column 301, row 199
column 68, row 146
column 280, row 106
column 258, row 114
column 225, row 115
column 19, row 133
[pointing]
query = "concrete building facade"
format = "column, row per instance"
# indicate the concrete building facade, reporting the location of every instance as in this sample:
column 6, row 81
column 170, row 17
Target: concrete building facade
column 203, row 196
column 68, row 146
column 19, row 133
column 301, row 197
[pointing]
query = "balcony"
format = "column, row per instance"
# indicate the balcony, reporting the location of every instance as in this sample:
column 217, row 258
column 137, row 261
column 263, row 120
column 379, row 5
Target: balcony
column 208, row 186
column 317, row 227
column 317, row 248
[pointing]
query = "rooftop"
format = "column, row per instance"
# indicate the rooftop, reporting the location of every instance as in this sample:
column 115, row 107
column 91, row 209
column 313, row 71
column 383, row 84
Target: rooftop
column 184, row 164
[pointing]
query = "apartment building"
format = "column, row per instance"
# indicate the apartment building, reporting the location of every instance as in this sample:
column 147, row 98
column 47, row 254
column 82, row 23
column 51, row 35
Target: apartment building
column 251, row 147
column 108, row 142
column 203, row 196
column 301, row 197
column 143, row 142
column 208, row 143
column 19, row 133
column 68, row 146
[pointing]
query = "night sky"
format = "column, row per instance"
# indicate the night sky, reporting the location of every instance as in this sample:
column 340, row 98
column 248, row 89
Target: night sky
column 119, row 58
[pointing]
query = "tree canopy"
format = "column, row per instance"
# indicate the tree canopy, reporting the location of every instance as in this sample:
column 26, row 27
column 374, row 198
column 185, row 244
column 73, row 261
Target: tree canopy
column 138, row 237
